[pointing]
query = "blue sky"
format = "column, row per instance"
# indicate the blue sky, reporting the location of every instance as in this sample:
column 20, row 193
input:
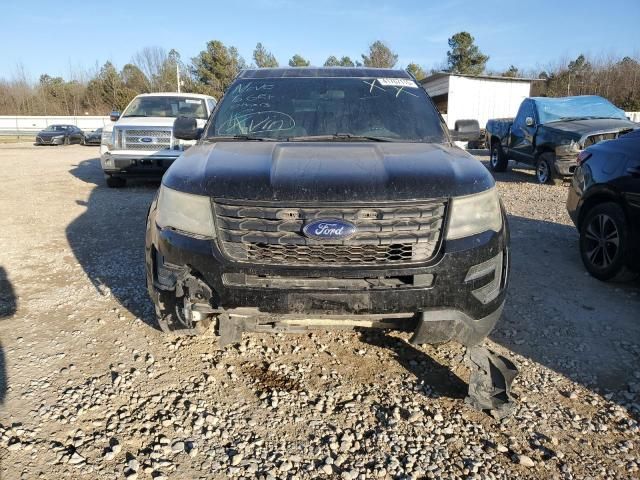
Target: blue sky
column 58, row 37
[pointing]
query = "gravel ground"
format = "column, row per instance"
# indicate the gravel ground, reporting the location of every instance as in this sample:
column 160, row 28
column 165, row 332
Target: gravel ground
column 90, row 389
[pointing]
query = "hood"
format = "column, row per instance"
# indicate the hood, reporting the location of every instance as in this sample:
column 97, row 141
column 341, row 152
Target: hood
column 583, row 128
column 51, row 134
column 327, row 171
column 150, row 122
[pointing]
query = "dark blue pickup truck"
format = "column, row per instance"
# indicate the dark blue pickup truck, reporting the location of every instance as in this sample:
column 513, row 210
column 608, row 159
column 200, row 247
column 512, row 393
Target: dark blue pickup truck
column 548, row 133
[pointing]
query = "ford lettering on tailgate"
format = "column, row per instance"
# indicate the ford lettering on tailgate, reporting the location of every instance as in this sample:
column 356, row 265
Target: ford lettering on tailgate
column 332, row 229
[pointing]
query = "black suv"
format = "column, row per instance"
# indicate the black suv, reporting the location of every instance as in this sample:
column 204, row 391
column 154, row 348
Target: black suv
column 327, row 197
column 604, row 204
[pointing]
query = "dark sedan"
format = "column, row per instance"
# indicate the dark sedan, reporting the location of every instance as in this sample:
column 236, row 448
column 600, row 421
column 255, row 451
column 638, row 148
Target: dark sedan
column 604, row 204
column 93, row 138
column 60, row 135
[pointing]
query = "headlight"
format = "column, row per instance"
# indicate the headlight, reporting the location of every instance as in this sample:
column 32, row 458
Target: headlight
column 106, row 138
column 185, row 212
column 570, row 149
column 474, row 214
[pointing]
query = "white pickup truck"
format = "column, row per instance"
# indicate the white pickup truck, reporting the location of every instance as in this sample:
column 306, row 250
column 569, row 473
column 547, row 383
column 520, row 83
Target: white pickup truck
column 140, row 143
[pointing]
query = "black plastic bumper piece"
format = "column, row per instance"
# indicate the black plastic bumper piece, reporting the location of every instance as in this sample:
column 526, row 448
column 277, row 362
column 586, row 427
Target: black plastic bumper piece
column 444, row 325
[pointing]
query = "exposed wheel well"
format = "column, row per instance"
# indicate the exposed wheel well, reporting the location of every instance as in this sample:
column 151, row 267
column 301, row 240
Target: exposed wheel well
column 544, row 149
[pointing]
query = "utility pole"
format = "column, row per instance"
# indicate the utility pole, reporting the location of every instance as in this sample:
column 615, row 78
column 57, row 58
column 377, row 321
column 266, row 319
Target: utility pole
column 178, row 75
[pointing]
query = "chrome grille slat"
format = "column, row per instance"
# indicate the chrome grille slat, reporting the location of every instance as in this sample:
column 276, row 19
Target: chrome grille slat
column 130, row 138
column 266, row 234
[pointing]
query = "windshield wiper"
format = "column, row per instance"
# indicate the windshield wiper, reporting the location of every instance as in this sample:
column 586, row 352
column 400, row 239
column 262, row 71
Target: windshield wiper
column 250, row 138
column 131, row 116
column 339, row 136
column 568, row 119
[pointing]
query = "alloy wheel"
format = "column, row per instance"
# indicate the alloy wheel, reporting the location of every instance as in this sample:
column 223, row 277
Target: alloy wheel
column 494, row 157
column 602, row 241
column 543, row 172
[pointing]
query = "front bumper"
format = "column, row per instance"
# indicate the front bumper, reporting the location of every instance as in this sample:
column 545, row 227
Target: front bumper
column 565, row 166
column 444, row 292
column 142, row 165
column 49, row 141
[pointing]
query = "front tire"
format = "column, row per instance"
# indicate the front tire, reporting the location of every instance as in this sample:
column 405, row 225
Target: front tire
column 546, row 170
column 66, row 141
column 605, row 243
column 498, row 161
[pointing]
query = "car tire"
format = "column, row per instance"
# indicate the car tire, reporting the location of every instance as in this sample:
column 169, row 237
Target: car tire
column 83, row 141
column 498, row 161
column 115, row 182
column 605, row 243
column 546, row 170
column 66, row 141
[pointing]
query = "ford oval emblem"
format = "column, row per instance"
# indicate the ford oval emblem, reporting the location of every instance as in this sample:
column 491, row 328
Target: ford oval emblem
column 331, row 229
column 146, row 139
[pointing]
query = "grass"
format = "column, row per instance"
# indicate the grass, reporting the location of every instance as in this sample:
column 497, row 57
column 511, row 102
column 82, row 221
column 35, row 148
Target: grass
column 14, row 138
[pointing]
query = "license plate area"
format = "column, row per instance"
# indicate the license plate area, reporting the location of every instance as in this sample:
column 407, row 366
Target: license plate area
column 329, row 303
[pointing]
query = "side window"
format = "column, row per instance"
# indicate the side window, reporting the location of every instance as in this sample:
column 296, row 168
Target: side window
column 526, row 110
column 211, row 104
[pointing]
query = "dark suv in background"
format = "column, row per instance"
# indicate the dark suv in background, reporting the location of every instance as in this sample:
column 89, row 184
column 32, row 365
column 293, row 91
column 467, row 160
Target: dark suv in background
column 327, row 198
column 604, row 204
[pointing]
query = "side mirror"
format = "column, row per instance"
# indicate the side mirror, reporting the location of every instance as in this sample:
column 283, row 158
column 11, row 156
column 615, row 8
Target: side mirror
column 465, row 131
column 186, row 128
column 529, row 121
column 114, row 116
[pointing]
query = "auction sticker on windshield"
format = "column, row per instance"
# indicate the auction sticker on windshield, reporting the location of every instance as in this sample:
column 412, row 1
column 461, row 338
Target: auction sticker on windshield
column 397, row 82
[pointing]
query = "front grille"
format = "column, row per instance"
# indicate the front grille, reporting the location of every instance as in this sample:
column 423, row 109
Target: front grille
column 44, row 139
column 593, row 139
column 267, row 234
column 143, row 139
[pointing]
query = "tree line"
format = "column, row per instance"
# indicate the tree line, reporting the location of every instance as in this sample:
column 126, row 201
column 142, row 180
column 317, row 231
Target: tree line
column 153, row 69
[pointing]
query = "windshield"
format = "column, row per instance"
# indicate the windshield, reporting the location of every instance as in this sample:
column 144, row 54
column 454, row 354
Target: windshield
column 56, row 128
column 571, row 108
column 164, row 106
column 392, row 109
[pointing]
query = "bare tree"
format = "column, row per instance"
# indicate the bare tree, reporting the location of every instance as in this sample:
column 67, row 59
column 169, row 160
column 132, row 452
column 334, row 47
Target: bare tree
column 151, row 61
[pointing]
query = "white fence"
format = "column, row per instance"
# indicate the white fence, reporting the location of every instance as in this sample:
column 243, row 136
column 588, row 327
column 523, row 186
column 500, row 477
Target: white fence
column 25, row 125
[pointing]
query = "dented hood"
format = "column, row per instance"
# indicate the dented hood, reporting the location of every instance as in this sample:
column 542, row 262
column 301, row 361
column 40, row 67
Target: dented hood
column 590, row 126
column 327, row 171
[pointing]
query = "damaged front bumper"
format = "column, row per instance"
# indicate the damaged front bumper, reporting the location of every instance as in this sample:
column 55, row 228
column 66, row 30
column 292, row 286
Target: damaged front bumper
column 458, row 295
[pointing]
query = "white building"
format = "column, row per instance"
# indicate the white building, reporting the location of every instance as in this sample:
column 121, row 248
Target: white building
column 471, row 97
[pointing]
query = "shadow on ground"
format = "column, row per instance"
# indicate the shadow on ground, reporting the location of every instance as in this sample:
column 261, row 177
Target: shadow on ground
column 8, row 307
column 561, row 317
column 108, row 238
column 441, row 380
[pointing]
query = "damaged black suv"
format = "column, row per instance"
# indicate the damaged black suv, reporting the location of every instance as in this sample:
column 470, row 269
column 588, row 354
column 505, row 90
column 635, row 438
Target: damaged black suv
column 327, row 197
